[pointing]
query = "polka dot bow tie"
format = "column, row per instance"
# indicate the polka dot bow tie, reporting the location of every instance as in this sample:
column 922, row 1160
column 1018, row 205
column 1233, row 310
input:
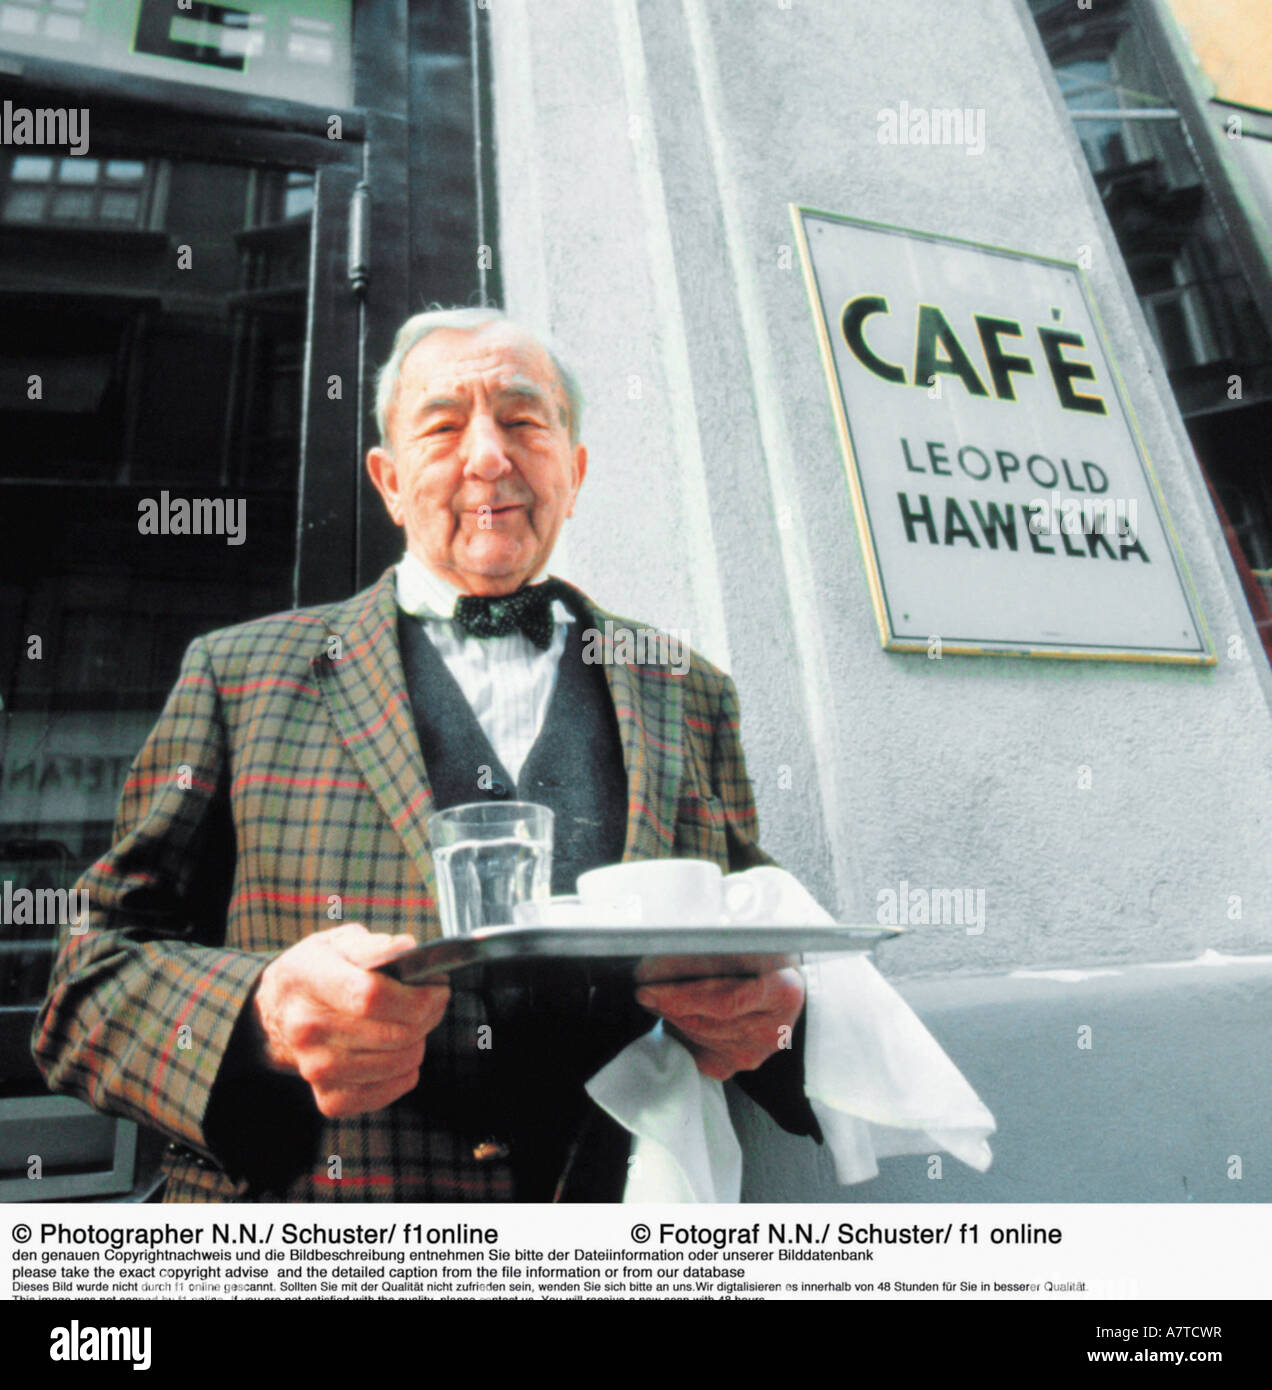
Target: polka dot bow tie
column 529, row 610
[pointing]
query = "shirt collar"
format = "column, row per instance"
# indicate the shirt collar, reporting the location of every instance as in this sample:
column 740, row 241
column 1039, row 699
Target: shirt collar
column 424, row 594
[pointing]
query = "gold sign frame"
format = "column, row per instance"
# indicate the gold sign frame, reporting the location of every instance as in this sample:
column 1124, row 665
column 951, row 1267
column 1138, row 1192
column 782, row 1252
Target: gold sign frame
column 1204, row 656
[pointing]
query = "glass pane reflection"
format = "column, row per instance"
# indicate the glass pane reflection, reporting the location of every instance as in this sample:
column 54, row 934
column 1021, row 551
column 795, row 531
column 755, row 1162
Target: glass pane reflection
column 123, row 378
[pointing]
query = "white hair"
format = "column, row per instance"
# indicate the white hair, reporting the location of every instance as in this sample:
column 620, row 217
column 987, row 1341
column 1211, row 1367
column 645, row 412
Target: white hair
column 419, row 326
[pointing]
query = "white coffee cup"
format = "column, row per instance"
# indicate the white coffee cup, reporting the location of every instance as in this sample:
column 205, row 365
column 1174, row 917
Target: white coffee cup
column 671, row 892
column 754, row 897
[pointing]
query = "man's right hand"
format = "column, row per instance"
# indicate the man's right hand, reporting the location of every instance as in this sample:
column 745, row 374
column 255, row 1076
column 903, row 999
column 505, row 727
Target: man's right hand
column 356, row 1037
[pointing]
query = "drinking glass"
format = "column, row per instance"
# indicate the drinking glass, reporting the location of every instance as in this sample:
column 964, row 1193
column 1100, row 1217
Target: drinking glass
column 489, row 856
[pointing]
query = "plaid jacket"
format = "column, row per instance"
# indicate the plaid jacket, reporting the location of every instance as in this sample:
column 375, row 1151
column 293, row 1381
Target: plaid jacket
column 283, row 790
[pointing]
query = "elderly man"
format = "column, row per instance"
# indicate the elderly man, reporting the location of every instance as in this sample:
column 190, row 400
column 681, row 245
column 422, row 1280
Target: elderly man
column 287, row 786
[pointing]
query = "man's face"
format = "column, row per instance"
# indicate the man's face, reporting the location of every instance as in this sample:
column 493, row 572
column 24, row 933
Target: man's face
column 481, row 471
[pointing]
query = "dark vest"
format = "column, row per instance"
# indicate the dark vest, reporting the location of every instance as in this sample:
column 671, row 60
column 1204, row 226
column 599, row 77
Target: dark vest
column 575, row 766
column 553, row 1024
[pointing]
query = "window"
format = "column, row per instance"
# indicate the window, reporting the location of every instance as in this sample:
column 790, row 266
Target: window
column 77, row 190
column 1165, row 211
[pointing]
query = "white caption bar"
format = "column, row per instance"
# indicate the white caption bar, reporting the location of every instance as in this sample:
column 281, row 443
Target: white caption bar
column 778, row 1252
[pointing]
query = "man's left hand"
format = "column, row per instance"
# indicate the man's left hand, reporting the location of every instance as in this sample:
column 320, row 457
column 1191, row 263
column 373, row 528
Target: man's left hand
column 729, row 1024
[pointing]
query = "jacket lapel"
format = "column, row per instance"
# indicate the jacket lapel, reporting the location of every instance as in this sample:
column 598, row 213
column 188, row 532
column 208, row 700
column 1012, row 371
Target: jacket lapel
column 647, row 701
column 364, row 687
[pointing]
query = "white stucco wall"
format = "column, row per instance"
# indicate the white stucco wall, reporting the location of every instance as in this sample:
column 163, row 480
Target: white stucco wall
column 647, row 153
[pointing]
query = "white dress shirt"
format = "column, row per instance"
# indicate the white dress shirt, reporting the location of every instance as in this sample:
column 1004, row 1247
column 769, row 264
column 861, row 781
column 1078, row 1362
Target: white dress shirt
column 507, row 681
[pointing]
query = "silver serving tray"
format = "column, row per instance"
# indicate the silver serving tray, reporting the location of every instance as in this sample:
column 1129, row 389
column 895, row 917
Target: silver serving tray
column 717, row 950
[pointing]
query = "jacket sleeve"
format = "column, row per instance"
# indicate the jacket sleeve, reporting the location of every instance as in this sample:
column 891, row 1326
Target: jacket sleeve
column 144, row 1004
column 777, row 1085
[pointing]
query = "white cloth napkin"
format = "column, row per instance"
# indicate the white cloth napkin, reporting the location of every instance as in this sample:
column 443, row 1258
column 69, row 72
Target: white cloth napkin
column 878, row 1082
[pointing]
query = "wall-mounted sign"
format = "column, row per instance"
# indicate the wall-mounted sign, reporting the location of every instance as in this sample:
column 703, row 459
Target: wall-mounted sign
column 297, row 50
column 1003, row 496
